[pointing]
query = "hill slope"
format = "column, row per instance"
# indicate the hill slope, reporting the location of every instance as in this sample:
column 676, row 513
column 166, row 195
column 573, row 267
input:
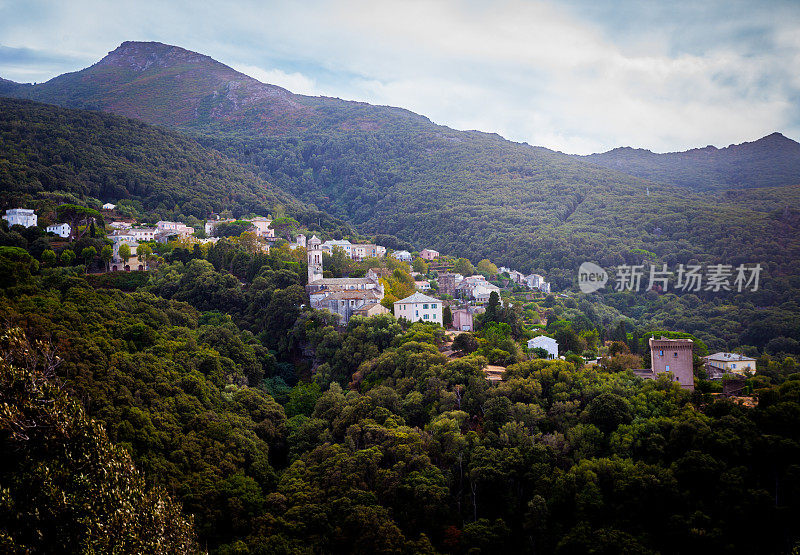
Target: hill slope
column 771, row 161
column 44, row 148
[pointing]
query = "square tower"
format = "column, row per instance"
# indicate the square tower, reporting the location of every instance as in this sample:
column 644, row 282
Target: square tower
column 674, row 356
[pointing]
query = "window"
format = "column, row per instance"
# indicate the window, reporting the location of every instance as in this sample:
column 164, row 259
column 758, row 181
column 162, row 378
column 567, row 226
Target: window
column 733, row 365
column 667, row 370
column 675, row 354
column 661, row 353
column 425, row 316
column 425, row 307
column 433, row 306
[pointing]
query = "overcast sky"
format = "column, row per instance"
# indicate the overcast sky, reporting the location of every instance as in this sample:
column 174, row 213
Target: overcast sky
column 577, row 76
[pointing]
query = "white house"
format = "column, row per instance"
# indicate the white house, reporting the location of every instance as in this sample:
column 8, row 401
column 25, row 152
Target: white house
column 719, row 364
column 62, row 230
column 344, row 244
column 422, row 285
column 117, row 240
column 165, row 229
column 262, row 226
column 403, row 256
column 211, row 225
column 483, row 291
column 21, row 216
column 143, row 233
column 543, row 342
column 109, row 206
column 419, row 307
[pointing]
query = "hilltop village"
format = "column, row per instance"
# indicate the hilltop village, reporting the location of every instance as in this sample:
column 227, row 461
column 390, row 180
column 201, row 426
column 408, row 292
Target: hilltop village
column 362, row 279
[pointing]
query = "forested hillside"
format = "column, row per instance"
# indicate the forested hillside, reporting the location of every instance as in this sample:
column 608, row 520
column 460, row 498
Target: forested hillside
column 50, row 151
column 203, row 374
column 771, row 161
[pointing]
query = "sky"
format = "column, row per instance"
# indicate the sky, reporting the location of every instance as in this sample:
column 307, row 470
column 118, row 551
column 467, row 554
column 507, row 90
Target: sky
column 578, row 76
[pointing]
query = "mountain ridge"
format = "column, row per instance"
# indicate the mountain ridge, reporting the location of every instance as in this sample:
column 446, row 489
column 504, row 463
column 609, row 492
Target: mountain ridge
column 772, row 160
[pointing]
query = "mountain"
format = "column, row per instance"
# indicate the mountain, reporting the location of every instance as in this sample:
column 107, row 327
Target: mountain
column 77, row 154
column 387, row 170
column 171, row 86
column 771, row 161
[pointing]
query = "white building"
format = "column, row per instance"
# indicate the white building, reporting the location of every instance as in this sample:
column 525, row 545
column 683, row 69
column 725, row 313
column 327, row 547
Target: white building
column 719, row 364
column 143, row 233
column 117, row 241
column 543, row 342
column 262, row 226
column 481, row 293
column 536, row 281
column 212, row 224
column 62, row 230
column 419, row 307
column 120, row 225
column 422, row 285
column 476, row 287
column 403, row 256
column 345, row 303
column 344, row 244
column 21, row 216
column 165, row 230
column 109, row 206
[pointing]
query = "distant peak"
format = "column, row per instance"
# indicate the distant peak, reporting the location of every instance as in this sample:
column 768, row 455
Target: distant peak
column 142, row 55
column 775, row 138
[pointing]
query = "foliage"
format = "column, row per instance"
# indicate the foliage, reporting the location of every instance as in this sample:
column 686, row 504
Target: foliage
column 64, row 486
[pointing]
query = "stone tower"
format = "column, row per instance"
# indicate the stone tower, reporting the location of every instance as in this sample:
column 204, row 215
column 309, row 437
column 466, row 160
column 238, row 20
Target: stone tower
column 674, row 356
column 314, row 259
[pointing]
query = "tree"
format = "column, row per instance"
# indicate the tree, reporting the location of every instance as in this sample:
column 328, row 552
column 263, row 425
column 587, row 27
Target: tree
column 465, row 342
column 249, row 242
column 420, row 266
column 607, row 411
column 447, row 317
column 106, row 254
column 88, row 254
column 48, row 257
column 285, row 226
column 124, row 252
column 464, row 267
column 143, row 252
column 66, row 487
column 539, row 352
column 76, row 215
column 67, row 257
column 486, row 268
column 493, row 308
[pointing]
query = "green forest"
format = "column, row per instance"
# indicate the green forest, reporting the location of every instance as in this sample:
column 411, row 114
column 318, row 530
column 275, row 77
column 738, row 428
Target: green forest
column 226, row 399
column 56, row 154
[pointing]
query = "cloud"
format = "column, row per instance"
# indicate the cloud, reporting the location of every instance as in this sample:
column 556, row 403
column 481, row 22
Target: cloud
column 578, row 76
column 295, row 82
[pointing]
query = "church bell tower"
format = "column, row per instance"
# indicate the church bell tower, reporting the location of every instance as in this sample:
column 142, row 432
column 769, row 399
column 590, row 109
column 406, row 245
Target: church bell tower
column 314, row 259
